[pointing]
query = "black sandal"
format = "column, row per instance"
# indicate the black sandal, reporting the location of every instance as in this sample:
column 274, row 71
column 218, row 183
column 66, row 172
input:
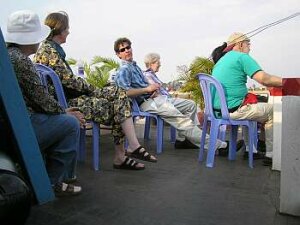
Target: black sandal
column 128, row 164
column 142, row 154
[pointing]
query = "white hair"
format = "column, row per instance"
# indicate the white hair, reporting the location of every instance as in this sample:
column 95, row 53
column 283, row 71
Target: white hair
column 151, row 58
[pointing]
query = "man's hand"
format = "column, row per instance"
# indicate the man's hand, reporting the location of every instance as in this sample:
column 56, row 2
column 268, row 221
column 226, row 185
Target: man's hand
column 153, row 87
column 133, row 92
column 75, row 112
column 155, row 94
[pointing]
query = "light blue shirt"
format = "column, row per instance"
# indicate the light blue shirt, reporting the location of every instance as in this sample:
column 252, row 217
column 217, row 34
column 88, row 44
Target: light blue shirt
column 130, row 76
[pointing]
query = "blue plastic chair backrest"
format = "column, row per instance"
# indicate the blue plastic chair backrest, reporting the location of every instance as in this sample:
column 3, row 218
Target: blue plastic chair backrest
column 135, row 106
column 47, row 73
column 207, row 83
column 136, row 111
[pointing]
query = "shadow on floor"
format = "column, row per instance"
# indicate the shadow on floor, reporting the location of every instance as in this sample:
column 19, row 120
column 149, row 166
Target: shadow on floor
column 176, row 190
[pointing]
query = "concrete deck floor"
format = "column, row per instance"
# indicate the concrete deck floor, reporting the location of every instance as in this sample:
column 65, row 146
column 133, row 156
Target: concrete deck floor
column 176, row 190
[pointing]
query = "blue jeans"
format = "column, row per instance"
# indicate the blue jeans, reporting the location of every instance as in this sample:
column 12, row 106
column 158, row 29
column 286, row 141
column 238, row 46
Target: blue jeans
column 58, row 138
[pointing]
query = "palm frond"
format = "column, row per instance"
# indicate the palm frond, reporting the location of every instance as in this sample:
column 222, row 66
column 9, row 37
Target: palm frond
column 199, row 65
column 110, row 63
column 71, row 61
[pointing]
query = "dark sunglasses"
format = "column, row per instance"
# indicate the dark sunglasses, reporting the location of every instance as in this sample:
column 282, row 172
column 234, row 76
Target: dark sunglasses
column 123, row 49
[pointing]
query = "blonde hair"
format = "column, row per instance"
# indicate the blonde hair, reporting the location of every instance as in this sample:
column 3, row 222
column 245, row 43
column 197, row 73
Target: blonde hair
column 58, row 22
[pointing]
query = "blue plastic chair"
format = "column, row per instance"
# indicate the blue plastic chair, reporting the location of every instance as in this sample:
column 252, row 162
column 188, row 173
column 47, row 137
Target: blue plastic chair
column 206, row 84
column 47, row 73
column 136, row 112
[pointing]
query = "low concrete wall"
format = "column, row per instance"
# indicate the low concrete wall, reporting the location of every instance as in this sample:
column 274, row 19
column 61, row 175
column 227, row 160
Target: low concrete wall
column 290, row 156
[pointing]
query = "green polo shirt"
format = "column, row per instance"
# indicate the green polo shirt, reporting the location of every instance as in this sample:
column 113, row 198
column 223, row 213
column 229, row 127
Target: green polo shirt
column 232, row 71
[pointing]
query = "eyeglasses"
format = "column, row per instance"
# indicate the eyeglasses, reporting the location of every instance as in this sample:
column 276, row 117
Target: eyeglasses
column 123, row 49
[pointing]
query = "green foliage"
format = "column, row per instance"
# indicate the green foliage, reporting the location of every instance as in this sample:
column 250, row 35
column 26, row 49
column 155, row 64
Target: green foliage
column 109, row 63
column 97, row 76
column 99, row 70
column 199, row 65
column 71, row 61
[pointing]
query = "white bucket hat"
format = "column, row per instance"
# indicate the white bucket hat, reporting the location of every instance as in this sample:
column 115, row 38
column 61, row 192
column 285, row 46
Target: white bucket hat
column 24, row 28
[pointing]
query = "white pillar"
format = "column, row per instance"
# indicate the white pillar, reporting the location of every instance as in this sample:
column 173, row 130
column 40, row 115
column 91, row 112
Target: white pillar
column 290, row 163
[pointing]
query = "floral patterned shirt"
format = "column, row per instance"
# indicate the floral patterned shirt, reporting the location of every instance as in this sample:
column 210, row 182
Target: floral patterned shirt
column 73, row 86
column 34, row 93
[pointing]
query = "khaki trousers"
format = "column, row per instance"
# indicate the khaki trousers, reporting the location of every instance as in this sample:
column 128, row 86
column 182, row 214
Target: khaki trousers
column 178, row 113
column 260, row 112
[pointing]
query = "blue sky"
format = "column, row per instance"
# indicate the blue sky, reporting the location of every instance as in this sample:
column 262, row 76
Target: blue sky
column 177, row 30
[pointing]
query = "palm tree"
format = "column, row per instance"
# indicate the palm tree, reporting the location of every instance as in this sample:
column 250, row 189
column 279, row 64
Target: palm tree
column 100, row 70
column 71, row 61
column 189, row 75
column 110, row 63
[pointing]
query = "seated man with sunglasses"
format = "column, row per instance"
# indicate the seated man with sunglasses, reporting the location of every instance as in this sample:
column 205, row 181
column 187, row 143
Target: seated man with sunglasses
column 131, row 78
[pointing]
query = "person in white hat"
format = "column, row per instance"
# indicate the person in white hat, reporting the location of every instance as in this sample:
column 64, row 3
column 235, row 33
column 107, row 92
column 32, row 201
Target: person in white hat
column 233, row 65
column 57, row 130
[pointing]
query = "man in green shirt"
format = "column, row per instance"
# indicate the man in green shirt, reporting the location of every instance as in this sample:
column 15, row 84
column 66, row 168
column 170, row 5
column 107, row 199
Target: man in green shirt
column 233, row 66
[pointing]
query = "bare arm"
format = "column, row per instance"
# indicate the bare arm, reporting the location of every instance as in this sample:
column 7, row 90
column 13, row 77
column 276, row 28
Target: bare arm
column 139, row 91
column 267, row 79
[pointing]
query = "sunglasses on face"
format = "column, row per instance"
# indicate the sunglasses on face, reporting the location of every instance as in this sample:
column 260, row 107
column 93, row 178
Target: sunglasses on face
column 123, row 49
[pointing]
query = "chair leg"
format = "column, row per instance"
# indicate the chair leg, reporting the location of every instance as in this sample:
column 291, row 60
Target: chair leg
column 173, row 134
column 252, row 130
column 232, row 143
column 256, row 136
column 147, row 128
column 126, row 144
column 202, row 142
column 159, row 135
column 96, row 157
column 214, row 129
column 222, row 132
column 82, row 141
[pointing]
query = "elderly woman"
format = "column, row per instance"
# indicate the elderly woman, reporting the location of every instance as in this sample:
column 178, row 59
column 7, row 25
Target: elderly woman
column 184, row 106
column 109, row 105
column 56, row 129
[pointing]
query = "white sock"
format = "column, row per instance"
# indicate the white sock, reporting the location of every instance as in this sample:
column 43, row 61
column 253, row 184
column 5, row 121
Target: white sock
column 223, row 144
column 254, row 149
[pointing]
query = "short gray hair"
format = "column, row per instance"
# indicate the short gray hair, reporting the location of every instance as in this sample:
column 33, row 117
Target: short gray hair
column 151, row 58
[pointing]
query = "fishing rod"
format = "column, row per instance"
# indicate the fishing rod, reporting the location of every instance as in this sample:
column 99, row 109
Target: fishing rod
column 264, row 27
